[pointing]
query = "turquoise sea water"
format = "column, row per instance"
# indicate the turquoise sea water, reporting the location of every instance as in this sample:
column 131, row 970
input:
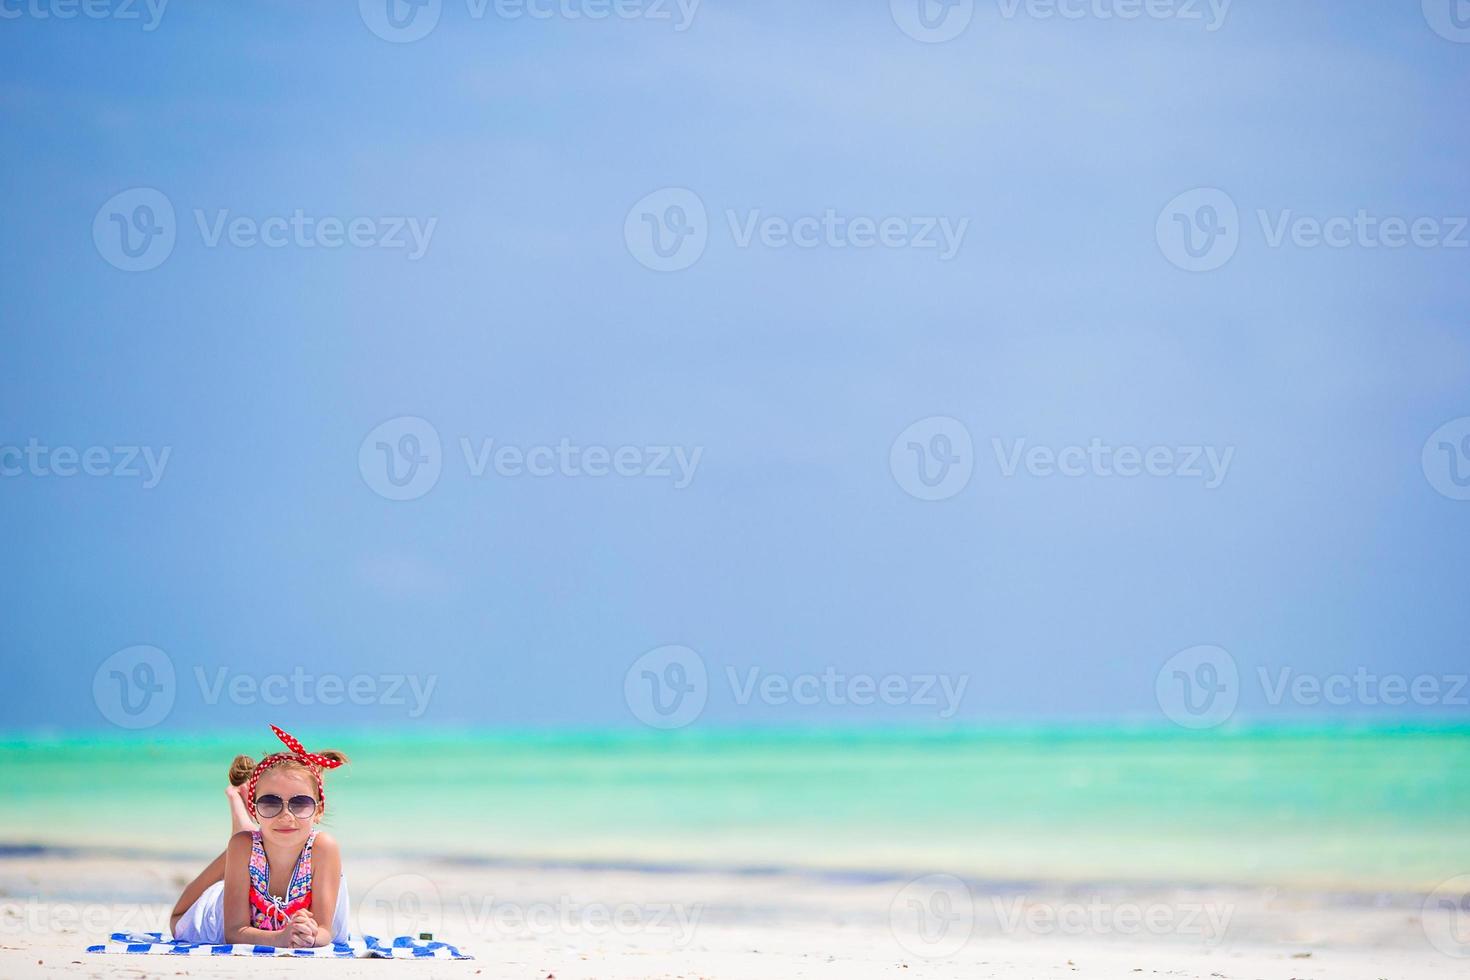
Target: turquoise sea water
column 1366, row 808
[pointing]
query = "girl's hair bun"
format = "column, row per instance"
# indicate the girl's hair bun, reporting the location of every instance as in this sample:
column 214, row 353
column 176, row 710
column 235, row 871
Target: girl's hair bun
column 243, row 765
column 241, row 769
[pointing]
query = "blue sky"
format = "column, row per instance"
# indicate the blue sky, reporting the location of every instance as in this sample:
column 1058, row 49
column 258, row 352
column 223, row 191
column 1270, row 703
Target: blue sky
column 795, row 548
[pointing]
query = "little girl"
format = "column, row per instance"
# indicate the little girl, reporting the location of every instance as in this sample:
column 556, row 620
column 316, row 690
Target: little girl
column 280, row 884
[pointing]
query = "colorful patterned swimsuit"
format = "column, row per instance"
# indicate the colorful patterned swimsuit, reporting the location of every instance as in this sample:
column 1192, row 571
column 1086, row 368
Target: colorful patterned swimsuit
column 267, row 911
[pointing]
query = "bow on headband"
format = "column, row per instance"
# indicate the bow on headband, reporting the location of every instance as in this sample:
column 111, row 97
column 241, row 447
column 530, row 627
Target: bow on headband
column 316, row 763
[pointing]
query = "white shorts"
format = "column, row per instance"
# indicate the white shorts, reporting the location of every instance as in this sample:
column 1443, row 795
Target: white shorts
column 205, row 920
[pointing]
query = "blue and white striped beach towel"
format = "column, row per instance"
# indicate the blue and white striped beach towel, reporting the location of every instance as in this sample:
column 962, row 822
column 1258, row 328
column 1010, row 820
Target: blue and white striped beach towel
column 359, row 947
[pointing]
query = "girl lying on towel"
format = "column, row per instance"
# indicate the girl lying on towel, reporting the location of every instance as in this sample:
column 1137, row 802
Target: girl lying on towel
column 279, row 883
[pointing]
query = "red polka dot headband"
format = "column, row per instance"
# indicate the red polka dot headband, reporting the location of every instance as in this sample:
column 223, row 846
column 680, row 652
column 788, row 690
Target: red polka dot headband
column 316, row 763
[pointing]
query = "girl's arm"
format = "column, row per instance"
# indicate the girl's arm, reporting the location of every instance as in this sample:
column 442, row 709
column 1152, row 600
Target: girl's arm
column 326, row 878
column 237, row 898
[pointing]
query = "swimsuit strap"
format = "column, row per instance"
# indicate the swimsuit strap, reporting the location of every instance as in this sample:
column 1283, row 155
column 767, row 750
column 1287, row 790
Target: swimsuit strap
column 270, row 912
column 301, row 877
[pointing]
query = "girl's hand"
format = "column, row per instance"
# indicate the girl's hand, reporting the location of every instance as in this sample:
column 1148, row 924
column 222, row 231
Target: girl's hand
column 302, row 929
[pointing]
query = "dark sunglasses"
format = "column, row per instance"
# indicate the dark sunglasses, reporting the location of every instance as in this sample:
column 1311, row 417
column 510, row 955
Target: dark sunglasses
column 270, row 806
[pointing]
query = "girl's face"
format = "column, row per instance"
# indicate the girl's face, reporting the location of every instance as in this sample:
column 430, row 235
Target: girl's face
column 286, row 784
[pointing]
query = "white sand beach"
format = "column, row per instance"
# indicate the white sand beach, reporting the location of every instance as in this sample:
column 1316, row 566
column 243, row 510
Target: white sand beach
column 576, row 923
